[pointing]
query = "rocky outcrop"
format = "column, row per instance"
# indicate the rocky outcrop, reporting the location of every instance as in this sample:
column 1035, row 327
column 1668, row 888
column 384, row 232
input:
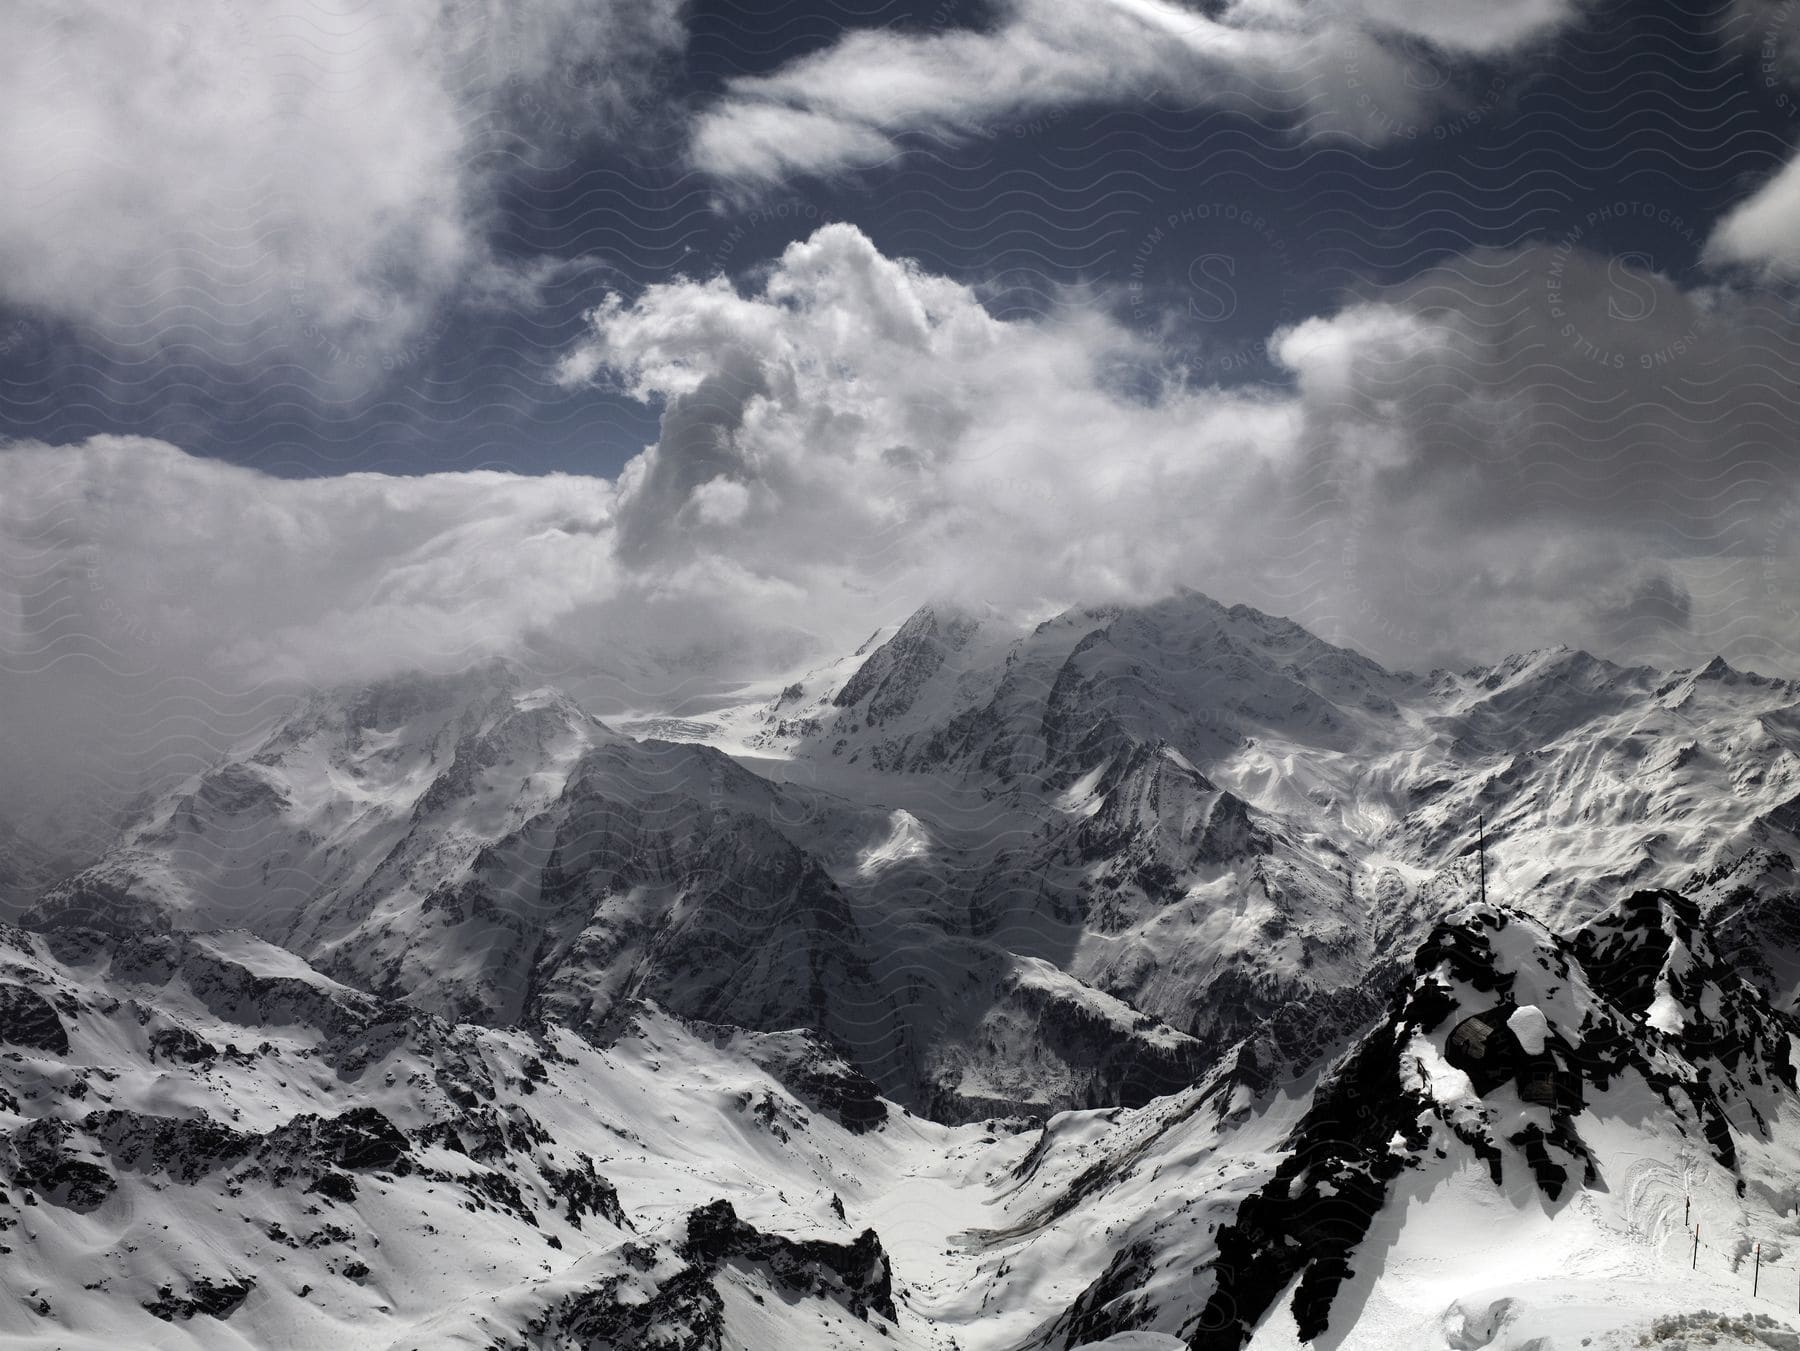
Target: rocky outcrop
column 46, row 1160
column 1640, row 993
column 815, row 1074
column 204, row 1295
column 28, row 1019
column 856, row 1274
column 638, row 1310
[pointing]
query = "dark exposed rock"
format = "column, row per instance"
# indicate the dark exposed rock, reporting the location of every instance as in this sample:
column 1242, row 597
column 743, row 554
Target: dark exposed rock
column 894, row 674
column 856, row 1274
column 238, row 789
column 684, row 1314
column 215, row 1299
column 28, row 1019
column 103, row 904
column 186, row 1149
column 179, row 1044
column 1308, row 1219
column 484, row 1132
column 1112, row 1304
column 306, row 1147
column 45, row 1163
column 1128, row 1071
column 359, row 1139
column 1369, row 1123
column 229, row 990
column 815, row 1074
column 585, row 1192
column 491, row 1188
column 335, row 1187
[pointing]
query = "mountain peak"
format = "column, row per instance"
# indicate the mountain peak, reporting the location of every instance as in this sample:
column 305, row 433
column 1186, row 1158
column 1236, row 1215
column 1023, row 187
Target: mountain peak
column 385, row 701
column 890, row 679
column 1486, row 1063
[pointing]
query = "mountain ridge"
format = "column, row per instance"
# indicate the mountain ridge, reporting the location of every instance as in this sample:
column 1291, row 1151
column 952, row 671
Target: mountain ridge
column 1201, row 814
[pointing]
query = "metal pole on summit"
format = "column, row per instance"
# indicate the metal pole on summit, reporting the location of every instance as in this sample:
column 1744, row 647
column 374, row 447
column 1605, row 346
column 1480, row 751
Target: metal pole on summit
column 1756, row 1274
column 1481, row 828
column 1696, row 1247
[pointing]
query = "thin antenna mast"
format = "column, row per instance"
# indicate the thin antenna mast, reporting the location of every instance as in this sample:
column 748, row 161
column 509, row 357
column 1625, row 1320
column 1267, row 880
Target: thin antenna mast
column 1481, row 827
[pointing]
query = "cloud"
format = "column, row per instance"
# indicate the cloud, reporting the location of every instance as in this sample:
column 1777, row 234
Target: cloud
column 1760, row 235
column 1363, row 68
column 884, row 438
column 137, row 556
column 1517, row 449
column 224, row 173
column 156, row 607
column 1522, row 448
column 1761, row 232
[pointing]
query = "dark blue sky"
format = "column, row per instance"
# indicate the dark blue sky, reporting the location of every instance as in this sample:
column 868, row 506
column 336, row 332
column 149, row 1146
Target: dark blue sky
column 1630, row 134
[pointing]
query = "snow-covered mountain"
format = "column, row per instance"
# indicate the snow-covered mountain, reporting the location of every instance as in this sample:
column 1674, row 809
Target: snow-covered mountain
column 204, row 1142
column 1008, row 871
column 491, row 853
column 1121, row 973
column 1528, row 1099
column 1593, row 779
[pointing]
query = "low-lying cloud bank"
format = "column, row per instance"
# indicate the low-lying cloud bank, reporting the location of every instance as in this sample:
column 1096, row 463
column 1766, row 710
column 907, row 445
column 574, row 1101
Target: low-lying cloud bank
column 1521, row 449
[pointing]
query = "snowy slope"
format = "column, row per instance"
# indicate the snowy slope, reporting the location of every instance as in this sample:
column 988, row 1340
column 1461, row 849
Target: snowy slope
column 1106, row 969
column 491, row 853
column 326, row 800
column 207, row 1143
column 1593, row 778
column 1421, row 1196
column 204, row 1142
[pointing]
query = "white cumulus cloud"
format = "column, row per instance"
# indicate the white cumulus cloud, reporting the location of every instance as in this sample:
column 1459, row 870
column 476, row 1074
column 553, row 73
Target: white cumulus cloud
column 225, row 172
column 1762, row 232
column 1517, row 449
